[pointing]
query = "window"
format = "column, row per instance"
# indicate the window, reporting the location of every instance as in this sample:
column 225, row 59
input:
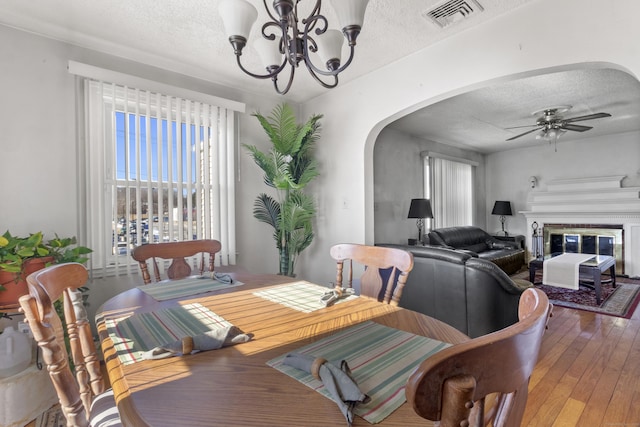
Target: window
column 449, row 185
column 158, row 168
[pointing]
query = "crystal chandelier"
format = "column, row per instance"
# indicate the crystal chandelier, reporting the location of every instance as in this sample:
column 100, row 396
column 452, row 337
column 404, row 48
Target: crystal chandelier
column 286, row 41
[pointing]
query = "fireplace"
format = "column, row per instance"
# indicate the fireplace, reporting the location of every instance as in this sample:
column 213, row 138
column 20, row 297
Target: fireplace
column 587, row 215
column 597, row 239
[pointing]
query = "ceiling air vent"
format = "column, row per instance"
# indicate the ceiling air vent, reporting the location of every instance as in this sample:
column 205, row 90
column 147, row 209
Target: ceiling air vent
column 453, row 11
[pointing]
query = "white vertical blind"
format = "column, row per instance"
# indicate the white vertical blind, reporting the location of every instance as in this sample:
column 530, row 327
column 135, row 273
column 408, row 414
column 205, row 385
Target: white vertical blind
column 452, row 195
column 159, row 168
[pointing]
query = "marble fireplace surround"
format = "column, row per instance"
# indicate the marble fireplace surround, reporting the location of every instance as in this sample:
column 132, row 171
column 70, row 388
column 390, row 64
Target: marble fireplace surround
column 593, row 200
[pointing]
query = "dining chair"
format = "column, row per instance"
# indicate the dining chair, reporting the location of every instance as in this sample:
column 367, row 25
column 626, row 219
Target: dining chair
column 176, row 252
column 82, row 395
column 382, row 264
column 451, row 386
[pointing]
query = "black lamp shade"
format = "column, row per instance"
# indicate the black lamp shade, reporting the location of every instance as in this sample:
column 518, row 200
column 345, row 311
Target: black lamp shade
column 502, row 207
column 420, row 208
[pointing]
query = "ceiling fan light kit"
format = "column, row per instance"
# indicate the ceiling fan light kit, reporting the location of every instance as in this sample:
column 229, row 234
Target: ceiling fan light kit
column 287, row 41
column 551, row 125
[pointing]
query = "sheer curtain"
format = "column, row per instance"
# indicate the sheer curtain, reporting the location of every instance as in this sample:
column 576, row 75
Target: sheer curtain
column 450, row 188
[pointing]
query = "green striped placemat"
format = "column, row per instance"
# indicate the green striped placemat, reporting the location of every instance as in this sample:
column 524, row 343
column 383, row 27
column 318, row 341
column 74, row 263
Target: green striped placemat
column 183, row 287
column 142, row 332
column 302, row 296
column 381, row 360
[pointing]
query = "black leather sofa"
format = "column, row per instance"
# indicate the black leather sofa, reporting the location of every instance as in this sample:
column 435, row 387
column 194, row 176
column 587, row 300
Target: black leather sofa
column 471, row 294
column 509, row 256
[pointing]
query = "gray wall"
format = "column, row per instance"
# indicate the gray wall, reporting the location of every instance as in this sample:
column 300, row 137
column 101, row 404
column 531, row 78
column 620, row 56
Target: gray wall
column 398, row 178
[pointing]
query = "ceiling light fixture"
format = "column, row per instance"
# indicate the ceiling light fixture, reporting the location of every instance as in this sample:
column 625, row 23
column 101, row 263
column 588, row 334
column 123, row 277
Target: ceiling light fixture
column 284, row 43
column 551, row 133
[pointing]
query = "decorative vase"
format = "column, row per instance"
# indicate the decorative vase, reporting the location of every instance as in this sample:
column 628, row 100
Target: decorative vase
column 15, row 284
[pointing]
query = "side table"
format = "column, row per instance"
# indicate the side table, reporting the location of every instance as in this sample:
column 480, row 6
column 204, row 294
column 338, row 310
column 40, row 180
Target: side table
column 518, row 238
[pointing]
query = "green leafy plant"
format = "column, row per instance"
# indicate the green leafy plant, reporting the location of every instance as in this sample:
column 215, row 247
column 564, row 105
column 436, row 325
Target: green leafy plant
column 288, row 167
column 15, row 251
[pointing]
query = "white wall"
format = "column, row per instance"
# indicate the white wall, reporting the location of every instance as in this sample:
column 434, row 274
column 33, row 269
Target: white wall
column 589, row 157
column 38, row 146
column 514, row 45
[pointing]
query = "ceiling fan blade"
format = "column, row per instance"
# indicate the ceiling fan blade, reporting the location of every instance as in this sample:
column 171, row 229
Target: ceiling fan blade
column 576, row 128
column 523, row 134
column 587, row 117
column 519, row 127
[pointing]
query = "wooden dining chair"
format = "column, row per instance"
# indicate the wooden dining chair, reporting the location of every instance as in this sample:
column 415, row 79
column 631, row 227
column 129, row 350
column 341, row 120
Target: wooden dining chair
column 83, row 398
column 451, row 386
column 379, row 262
column 176, row 252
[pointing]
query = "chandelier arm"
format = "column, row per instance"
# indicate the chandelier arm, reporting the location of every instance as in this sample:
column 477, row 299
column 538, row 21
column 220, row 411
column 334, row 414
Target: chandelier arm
column 312, row 17
column 273, row 18
column 286, row 89
column 271, row 74
column 322, row 83
column 273, row 35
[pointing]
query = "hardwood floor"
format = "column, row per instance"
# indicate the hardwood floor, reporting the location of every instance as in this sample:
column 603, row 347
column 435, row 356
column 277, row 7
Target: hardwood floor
column 587, row 373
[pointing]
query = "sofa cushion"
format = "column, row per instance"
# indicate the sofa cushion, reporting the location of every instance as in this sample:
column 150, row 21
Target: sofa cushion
column 477, row 242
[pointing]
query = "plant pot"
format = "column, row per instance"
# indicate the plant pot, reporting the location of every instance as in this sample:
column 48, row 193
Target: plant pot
column 15, row 288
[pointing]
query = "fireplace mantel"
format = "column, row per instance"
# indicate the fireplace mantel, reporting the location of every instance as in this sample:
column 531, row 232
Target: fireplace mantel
column 591, row 200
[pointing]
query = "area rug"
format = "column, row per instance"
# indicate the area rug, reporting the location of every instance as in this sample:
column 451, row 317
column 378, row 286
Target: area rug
column 620, row 301
column 51, row 418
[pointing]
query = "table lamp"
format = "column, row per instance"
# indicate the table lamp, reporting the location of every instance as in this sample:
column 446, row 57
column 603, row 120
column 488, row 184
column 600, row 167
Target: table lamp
column 502, row 208
column 420, row 209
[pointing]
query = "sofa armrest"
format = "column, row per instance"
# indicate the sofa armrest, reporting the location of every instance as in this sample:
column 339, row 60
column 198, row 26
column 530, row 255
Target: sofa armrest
column 515, row 288
column 468, row 252
column 494, row 243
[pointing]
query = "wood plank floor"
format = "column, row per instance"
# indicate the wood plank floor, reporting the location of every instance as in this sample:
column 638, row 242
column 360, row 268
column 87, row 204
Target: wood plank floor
column 588, row 372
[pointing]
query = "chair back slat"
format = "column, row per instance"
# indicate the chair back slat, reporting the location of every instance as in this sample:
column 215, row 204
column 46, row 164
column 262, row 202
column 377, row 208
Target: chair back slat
column 374, row 259
column 177, row 252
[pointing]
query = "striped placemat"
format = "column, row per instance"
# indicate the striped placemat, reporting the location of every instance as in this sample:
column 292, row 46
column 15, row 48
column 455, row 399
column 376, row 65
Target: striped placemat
column 142, row 332
column 183, row 287
column 381, row 360
column 302, row 296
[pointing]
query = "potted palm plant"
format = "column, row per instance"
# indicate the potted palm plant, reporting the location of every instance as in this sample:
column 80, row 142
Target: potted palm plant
column 21, row 256
column 288, row 167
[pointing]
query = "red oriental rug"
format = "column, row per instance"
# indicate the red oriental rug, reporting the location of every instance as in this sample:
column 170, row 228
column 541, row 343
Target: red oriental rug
column 620, row 301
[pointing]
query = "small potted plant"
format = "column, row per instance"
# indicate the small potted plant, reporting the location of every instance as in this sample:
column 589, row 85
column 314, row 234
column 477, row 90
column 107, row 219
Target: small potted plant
column 21, row 256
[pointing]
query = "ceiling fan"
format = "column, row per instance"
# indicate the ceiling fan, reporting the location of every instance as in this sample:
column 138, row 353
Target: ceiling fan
column 551, row 124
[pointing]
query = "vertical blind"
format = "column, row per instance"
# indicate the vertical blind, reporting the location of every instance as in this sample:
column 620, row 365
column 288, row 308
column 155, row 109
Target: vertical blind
column 158, row 168
column 452, row 192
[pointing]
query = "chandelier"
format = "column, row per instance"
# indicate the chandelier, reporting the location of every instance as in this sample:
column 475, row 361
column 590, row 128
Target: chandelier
column 287, row 41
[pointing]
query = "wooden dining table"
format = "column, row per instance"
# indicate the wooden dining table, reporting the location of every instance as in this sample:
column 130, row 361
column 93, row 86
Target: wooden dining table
column 234, row 386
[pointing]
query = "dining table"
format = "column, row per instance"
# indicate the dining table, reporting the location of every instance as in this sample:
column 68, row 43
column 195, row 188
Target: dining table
column 240, row 385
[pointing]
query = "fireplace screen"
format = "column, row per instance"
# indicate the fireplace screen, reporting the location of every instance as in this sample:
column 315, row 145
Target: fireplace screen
column 561, row 238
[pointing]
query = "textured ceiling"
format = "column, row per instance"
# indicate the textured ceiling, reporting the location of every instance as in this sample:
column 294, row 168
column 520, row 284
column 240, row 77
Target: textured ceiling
column 479, row 119
column 186, row 36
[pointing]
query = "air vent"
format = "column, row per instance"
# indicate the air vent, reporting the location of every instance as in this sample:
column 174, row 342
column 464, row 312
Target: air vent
column 453, row 11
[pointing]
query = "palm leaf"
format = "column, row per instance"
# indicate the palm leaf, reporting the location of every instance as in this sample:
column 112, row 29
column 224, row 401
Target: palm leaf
column 267, row 210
